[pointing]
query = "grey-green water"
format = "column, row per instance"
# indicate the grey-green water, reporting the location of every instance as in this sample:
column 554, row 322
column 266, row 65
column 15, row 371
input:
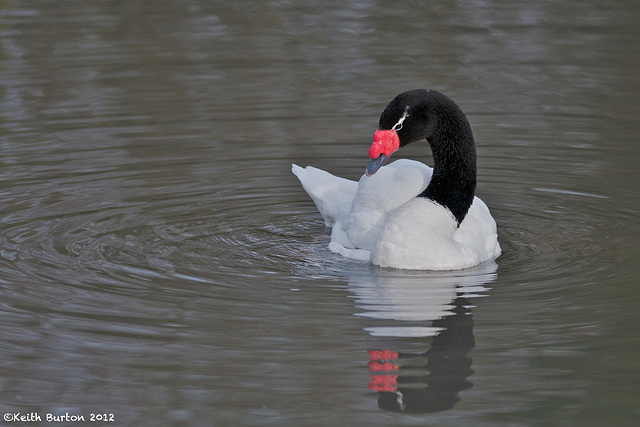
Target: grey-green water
column 159, row 262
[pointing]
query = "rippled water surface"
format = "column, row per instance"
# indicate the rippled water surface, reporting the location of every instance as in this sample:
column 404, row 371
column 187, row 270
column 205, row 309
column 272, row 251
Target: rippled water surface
column 159, row 261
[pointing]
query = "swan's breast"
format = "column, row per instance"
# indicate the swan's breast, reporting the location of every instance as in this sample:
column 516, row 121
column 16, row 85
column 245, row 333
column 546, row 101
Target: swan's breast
column 419, row 235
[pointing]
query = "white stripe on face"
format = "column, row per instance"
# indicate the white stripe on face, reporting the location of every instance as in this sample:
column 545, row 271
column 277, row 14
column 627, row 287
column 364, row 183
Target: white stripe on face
column 398, row 125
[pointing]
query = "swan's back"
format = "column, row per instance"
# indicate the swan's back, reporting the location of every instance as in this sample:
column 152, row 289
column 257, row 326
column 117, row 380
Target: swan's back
column 379, row 195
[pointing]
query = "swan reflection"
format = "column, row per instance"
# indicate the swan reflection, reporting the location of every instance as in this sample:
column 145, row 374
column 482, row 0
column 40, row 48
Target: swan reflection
column 421, row 332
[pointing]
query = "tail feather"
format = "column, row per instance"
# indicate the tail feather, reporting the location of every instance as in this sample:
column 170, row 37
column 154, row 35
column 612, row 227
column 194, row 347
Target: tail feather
column 330, row 193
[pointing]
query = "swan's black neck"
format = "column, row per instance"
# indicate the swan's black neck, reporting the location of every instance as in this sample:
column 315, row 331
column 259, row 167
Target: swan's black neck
column 453, row 183
column 437, row 118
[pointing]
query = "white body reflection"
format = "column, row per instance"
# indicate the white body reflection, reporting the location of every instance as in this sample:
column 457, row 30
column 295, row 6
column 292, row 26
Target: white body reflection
column 416, row 299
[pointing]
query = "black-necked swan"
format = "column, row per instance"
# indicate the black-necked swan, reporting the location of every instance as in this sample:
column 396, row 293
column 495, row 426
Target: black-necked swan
column 405, row 214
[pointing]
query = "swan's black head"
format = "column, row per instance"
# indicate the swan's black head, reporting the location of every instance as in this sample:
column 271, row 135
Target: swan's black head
column 415, row 106
column 409, row 117
column 426, row 114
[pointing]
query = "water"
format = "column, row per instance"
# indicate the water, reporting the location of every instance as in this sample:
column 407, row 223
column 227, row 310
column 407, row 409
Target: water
column 159, row 262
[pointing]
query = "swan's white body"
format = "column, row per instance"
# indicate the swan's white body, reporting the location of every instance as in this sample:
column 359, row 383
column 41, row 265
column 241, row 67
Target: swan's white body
column 380, row 219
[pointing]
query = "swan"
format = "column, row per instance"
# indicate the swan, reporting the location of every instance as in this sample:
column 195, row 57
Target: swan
column 405, row 214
